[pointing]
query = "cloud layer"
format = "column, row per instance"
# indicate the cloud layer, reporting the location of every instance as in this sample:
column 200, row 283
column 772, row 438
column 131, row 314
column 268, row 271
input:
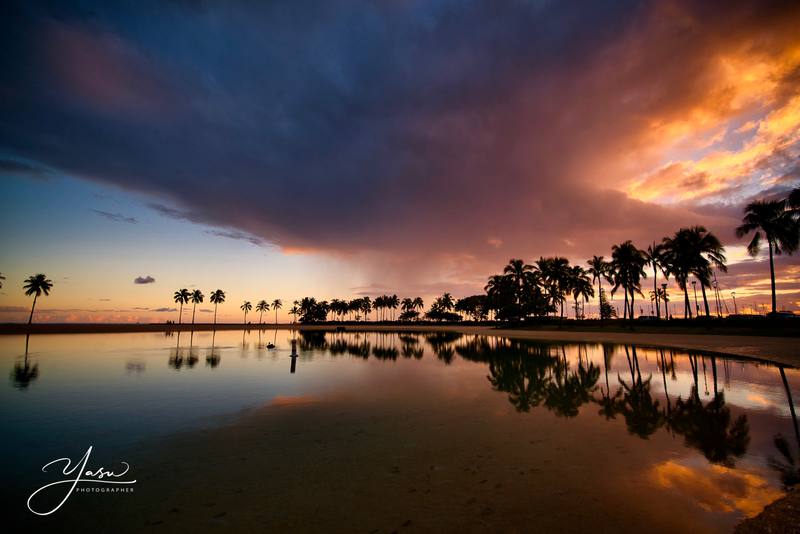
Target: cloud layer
column 422, row 140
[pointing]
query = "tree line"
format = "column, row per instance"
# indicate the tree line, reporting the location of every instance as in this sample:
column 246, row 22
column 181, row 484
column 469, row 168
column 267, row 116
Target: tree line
column 691, row 256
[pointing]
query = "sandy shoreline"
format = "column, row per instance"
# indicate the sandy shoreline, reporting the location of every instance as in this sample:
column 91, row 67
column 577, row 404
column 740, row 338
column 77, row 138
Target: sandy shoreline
column 777, row 349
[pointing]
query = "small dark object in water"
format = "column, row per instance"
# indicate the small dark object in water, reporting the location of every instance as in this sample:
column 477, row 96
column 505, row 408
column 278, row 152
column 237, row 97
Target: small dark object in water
column 270, row 346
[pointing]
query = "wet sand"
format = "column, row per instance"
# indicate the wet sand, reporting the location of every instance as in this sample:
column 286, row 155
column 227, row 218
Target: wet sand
column 361, row 466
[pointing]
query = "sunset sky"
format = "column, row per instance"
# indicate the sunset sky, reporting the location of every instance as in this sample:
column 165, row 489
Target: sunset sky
column 345, row 148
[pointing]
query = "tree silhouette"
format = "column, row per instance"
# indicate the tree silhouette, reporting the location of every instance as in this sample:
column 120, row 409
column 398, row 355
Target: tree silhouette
column 181, row 297
column 246, row 307
column 217, row 297
column 36, row 285
column 277, row 305
column 654, row 256
column 197, row 298
column 778, row 225
column 628, row 263
column 261, row 307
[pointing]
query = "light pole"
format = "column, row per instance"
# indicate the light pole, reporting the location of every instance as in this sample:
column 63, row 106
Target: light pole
column 735, row 309
column 696, row 305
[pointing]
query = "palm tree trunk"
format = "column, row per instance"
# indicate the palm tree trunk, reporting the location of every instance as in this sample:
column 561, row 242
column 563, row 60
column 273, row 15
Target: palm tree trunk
column 625, row 312
column 215, row 313
column 180, row 313
column 34, row 305
column 687, row 309
column 633, row 299
column 772, row 277
column 705, row 300
column 655, row 291
column 194, row 308
column 791, row 405
column 600, row 300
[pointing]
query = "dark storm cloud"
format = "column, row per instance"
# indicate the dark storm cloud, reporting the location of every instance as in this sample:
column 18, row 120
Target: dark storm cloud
column 116, row 217
column 21, row 168
column 442, row 130
column 144, row 280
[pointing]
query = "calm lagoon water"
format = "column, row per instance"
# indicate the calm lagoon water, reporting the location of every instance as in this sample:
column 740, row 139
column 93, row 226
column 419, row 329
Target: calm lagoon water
column 459, row 432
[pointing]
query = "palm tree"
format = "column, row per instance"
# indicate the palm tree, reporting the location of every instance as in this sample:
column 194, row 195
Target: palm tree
column 262, row 306
column 599, row 269
column 654, row 257
column 779, row 228
column 181, row 297
column 581, row 286
column 217, row 297
column 277, row 305
column 521, row 274
column 447, row 302
column 628, row 263
column 707, row 253
column 197, row 298
column 294, row 311
column 392, row 303
column 1, row 280
column 418, row 303
column 36, row 285
column 246, row 307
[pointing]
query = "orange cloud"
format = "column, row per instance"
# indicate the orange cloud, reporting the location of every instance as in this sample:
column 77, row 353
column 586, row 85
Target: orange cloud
column 717, row 488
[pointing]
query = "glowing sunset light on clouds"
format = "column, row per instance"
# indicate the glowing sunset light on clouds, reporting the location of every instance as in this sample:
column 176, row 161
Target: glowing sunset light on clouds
column 343, row 148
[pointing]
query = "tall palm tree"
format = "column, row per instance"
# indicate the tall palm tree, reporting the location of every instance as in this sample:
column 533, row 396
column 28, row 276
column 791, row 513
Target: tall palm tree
column 261, row 307
column 392, row 303
column 521, row 274
column 778, row 226
column 181, row 297
column 707, row 253
column 36, row 285
column 447, row 302
column 197, row 298
column 418, row 303
column 599, row 269
column 293, row 311
column 580, row 285
column 246, row 307
column 217, row 297
column 407, row 304
column 654, row 257
column 277, row 305
column 628, row 263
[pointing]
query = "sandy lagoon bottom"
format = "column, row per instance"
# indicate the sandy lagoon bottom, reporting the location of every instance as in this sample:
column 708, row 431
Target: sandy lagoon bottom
column 380, row 432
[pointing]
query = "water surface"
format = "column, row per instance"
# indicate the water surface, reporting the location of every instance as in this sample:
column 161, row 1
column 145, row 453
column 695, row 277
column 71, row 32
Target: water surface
column 428, row 431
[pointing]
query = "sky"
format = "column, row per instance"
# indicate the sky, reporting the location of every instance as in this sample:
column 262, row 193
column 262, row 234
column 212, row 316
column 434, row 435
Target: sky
column 347, row 148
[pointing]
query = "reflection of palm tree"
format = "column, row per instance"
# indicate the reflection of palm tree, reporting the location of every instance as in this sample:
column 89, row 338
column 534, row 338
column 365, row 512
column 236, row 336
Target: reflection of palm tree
column 788, row 468
column 246, row 307
column 181, row 297
column 217, row 297
column 197, row 298
column 24, row 373
column 36, row 285
column 710, row 429
column 212, row 360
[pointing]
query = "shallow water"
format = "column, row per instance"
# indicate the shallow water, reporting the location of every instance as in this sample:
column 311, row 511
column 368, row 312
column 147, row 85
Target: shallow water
column 551, row 435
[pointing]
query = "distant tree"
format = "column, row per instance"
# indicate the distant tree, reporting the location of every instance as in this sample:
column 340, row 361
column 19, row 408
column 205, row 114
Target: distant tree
column 312, row 311
column 654, row 255
column 473, row 306
column 778, row 225
column 581, row 286
column 599, row 269
column 197, row 297
column 277, row 305
column 628, row 263
column 246, row 307
column 36, row 285
column 217, row 297
column 181, row 297
column 261, row 307
column 1, row 280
